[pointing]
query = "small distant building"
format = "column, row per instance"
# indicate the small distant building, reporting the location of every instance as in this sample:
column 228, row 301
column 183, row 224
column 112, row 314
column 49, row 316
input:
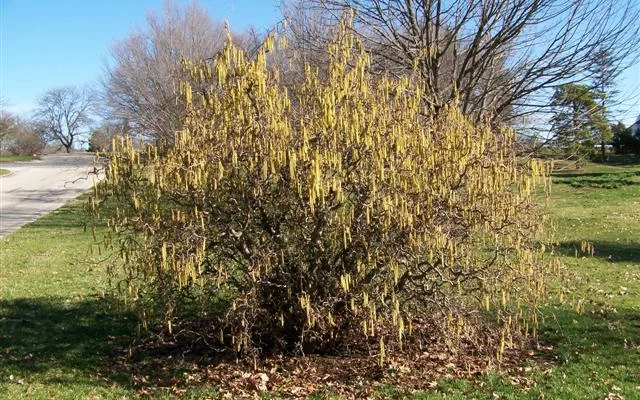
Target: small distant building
column 635, row 128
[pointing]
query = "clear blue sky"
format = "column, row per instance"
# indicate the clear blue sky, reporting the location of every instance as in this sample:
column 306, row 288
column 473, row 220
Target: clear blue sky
column 48, row 43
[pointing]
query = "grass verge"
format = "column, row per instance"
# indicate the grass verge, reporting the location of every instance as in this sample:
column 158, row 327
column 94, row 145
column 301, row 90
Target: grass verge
column 620, row 171
column 57, row 322
column 12, row 158
column 4, row 172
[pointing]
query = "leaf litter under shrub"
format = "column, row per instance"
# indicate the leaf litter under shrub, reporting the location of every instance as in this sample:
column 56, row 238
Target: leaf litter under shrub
column 163, row 364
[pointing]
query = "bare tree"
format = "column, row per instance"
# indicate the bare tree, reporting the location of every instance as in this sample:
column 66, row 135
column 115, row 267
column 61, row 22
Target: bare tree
column 63, row 114
column 102, row 136
column 502, row 59
column 25, row 138
column 7, row 123
column 141, row 83
column 250, row 40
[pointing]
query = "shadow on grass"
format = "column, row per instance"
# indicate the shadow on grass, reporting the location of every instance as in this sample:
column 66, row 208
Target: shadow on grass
column 43, row 335
column 605, row 180
column 620, row 160
column 606, row 338
column 59, row 223
column 611, row 251
column 595, row 174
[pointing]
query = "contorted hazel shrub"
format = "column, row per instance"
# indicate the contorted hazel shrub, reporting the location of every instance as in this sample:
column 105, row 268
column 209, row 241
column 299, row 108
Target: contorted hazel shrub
column 341, row 211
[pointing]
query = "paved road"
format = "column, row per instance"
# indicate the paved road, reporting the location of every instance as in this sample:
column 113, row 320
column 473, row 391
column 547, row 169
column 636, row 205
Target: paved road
column 37, row 187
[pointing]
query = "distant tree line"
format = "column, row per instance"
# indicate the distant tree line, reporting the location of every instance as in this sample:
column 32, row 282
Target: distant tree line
column 581, row 123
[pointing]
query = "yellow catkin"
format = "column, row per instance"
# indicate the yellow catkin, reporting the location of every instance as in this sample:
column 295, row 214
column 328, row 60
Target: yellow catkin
column 350, row 179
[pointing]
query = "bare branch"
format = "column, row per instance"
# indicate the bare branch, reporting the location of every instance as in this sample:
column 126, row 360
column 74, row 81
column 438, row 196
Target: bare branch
column 64, row 114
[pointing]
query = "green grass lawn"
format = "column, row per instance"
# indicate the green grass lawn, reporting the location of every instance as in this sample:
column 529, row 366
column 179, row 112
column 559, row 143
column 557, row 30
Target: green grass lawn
column 59, row 328
column 56, row 322
column 7, row 159
column 597, row 351
column 4, row 172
